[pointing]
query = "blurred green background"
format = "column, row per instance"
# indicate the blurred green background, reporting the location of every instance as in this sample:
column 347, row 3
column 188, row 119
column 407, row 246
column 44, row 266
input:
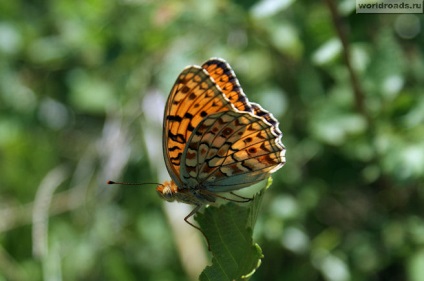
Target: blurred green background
column 82, row 92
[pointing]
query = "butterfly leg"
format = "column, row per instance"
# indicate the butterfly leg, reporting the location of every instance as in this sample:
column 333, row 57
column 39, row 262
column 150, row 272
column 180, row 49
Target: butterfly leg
column 244, row 199
column 196, row 227
column 247, row 199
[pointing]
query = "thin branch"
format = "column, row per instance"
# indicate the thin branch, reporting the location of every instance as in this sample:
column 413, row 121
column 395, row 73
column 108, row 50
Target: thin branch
column 341, row 30
column 19, row 215
column 40, row 213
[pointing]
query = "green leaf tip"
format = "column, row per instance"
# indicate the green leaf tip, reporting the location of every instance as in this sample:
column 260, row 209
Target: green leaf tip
column 229, row 229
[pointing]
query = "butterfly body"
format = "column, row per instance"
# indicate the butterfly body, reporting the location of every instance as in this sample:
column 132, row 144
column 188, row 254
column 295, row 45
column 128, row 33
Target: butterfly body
column 197, row 196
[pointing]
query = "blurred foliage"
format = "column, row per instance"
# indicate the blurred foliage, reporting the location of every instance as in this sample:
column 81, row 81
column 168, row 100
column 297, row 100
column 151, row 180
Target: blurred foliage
column 82, row 90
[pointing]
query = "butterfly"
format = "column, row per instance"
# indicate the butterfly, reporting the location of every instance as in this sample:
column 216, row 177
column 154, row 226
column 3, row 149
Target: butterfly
column 214, row 139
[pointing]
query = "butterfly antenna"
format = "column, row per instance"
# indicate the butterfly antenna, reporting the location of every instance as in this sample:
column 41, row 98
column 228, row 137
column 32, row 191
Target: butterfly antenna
column 132, row 183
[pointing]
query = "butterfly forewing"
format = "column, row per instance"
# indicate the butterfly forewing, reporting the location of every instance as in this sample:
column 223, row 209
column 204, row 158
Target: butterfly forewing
column 194, row 96
column 221, row 72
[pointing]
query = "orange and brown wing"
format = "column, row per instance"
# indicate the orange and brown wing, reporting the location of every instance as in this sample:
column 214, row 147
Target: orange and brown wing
column 193, row 97
column 226, row 79
column 232, row 149
column 211, row 96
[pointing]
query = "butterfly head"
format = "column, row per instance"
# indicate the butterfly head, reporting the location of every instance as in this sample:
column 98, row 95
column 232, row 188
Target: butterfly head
column 167, row 190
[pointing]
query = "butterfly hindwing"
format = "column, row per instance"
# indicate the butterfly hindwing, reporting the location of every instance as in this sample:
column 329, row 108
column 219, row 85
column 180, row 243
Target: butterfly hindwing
column 231, row 150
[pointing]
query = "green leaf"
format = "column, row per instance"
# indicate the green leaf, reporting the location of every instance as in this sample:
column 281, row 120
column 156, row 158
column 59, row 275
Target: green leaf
column 229, row 229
